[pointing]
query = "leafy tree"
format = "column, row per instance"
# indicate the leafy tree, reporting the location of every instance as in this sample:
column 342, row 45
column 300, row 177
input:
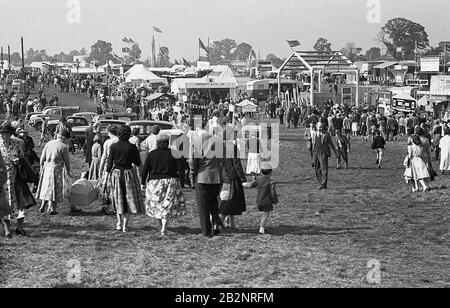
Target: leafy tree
column 242, row 52
column 74, row 53
column 322, row 44
column 222, row 50
column 402, row 33
column 16, row 59
column 373, row 54
column 101, row 52
column 135, row 52
column 352, row 52
column 277, row 62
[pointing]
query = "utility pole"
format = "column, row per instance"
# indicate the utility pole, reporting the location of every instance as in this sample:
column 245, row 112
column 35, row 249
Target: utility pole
column 23, row 55
column 9, row 57
column 2, row 57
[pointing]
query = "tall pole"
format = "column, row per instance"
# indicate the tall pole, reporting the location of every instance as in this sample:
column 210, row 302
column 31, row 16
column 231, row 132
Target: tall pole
column 23, row 55
column 208, row 50
column 312, row 88
column 2, row 56
column 9, row 57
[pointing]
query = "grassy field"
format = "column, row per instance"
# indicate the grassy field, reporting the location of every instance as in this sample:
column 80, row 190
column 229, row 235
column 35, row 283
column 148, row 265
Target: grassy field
column 367, row 214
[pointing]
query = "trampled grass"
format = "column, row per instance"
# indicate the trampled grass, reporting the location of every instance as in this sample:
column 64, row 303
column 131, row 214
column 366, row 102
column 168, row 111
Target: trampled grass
column 366, row 214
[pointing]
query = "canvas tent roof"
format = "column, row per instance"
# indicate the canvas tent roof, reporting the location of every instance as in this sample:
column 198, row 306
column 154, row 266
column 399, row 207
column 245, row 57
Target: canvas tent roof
column 140, row 72
column 246, row 103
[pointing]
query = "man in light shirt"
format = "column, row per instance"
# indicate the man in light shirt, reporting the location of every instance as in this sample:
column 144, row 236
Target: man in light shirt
column 149, row 144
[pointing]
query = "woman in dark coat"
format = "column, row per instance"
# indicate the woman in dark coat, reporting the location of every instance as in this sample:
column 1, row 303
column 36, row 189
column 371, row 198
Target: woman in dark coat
column 234, row 176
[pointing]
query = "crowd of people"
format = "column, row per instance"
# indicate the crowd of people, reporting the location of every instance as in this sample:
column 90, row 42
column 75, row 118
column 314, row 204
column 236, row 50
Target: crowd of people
column 137, row 176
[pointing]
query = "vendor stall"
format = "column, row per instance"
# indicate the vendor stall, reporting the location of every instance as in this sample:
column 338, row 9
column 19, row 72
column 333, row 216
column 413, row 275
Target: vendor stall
column 139, row 74
column 248, row 108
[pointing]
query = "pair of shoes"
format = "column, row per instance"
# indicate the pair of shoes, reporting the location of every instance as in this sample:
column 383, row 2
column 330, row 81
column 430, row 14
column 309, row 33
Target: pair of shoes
column 8, row 236
column 379, row 167
column 428, row 189
column 264, row 232
column 118, row 227
column 75, row 211
column 414, row 190
column 125, row 230
column 216, row 231
column 22, row 233
column 53, row 213
column 322, row 187
column 378, row 162
column 42, row 210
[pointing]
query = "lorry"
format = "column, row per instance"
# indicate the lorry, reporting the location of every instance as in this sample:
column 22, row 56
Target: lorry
column 53, row 113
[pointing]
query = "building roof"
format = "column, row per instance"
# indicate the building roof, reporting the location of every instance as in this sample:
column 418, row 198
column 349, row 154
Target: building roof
column 386, row 65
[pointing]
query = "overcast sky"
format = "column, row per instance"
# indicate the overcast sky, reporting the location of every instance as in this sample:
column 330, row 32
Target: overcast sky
column 265, row 24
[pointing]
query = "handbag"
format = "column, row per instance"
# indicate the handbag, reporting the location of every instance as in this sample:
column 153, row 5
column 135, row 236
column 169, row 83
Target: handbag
column 225, row 194
column 26, row 173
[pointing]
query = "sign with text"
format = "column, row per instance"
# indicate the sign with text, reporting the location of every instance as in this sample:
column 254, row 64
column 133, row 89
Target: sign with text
column 210, row 85
column 429, row 64
column 416, row 82
column 440, row 84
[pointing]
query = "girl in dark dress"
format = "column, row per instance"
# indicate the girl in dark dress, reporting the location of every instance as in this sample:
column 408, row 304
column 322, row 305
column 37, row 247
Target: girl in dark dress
column 234, row 176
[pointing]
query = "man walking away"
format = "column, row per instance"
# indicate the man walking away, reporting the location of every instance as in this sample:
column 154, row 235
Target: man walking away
column 322, row 146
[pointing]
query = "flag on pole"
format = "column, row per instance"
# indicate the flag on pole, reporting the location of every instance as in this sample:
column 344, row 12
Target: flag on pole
column 293, row 43
column 131, row 41
column 202, row 46
column 157, row 30
column 162, row 51
column 186, row 63
column 125, row 40
column 177, row 63
column 421, row 46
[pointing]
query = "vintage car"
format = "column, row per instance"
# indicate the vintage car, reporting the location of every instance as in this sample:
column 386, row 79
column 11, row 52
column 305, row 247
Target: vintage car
column 122, row 116
column 89, row 116
column 103, row 125
column 146, row 128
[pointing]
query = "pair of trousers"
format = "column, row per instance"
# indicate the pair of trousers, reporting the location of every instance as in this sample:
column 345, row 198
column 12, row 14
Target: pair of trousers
column 321, row 168
column 208, row 206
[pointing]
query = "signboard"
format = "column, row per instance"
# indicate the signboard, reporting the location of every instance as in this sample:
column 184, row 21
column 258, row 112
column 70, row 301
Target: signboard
column 429, row 64
column 416, row 82
column 365, row 68
column 440, row 84
column 210, row 85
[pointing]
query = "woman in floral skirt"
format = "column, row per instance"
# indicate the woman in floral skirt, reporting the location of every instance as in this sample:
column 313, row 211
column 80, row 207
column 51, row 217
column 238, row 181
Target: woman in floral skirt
column 161, row 177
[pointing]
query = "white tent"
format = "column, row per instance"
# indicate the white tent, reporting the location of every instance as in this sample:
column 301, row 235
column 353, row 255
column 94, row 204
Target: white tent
column 404, row 96
column 140, row 73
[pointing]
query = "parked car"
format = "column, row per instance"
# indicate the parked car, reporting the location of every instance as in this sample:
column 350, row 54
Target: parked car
column 78, row 124
column 89, row 116
column 54, row 113
column 146, row 127
column 122, row 116
column 103, row 125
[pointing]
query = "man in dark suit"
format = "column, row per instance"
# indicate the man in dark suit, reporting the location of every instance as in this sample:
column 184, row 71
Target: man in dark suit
column 322, row 144
column 206, row 175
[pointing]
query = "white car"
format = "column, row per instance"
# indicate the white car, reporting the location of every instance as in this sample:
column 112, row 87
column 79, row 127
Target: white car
column 90, row 116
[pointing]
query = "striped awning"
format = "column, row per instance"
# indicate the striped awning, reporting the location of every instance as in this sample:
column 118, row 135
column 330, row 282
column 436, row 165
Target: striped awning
column 386, row 65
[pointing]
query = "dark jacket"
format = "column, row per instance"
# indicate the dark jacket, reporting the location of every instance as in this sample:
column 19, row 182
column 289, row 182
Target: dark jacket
column 160, row 164
column 232, row 170
column 323, row 144
column 122, row 156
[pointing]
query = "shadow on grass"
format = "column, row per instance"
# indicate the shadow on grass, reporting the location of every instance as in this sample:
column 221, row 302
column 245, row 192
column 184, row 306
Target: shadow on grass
column 304, row 230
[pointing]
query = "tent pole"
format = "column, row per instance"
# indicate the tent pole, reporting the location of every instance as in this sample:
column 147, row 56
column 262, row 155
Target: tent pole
column 312, row 87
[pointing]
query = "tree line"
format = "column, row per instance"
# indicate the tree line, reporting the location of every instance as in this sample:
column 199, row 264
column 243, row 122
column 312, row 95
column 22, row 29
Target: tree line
column 400, row 39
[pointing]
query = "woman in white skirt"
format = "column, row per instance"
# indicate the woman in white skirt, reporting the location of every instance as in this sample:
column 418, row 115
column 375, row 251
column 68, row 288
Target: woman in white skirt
column 254, row 156
column 416, row 169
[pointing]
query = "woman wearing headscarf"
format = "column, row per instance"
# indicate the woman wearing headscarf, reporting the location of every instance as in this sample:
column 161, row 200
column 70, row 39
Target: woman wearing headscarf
column 12, row 151
column 161, row 175
column 54, row 159
column 416, row 169
column 126, row 194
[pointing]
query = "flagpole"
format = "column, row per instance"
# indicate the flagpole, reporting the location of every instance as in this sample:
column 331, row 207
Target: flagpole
column 208, row 50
